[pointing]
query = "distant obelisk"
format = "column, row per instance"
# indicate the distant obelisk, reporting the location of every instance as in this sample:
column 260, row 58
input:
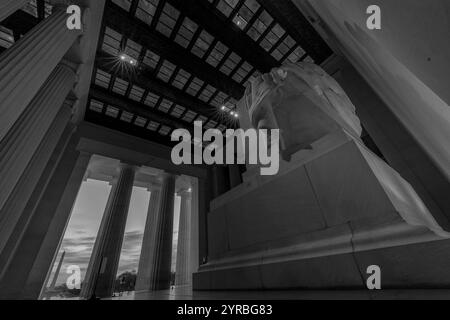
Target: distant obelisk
column 58, row 270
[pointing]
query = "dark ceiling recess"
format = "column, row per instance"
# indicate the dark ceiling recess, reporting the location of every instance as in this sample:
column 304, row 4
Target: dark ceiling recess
column 299, row 27
column 163, row 64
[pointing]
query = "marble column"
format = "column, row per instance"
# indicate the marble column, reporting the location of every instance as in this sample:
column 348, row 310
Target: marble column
column 14, row 207
column 194, row 252
column 183, row 271
column 148, row 250
column 58, row 185
column 205, row 196
column 235, row 175
column 23, row 139
column 55, row 231
column 102, row 269
column 162, row 261
column 28, row 64
column 8, row 7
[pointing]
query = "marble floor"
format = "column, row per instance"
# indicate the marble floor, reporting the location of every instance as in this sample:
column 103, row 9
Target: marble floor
column 186, row 293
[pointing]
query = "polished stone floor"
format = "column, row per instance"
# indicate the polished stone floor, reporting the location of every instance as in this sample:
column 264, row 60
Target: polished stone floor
column 186, row 293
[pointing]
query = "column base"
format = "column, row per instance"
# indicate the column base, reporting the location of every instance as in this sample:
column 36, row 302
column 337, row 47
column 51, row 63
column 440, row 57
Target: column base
column 327, row 216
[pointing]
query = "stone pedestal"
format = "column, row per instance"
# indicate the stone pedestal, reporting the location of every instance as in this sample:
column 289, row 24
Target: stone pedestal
column 102, row 269
column 329, row 214
column 183, row 267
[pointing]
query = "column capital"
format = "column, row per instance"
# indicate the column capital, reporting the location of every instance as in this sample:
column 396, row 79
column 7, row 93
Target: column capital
column 154, row 187
column 72, row 66
column 70, row 101
column 165, row 175
column 187, row 193
column 120, row 167
column 125, row 165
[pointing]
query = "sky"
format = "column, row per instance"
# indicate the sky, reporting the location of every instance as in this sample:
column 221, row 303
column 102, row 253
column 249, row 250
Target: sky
column 84, row 223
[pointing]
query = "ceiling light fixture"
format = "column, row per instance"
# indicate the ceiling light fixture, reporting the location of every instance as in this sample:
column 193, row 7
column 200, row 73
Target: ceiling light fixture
column 126, row 58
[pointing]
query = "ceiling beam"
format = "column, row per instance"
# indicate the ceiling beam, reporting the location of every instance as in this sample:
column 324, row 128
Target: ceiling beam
column 145, row 80
column 298, row 27
column 227, row 32
column 41, row 9
column 138, row 31
column 127, row 128
column 137, row 108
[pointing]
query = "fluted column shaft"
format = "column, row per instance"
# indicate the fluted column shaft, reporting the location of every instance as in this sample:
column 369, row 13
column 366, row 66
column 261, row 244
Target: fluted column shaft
column 148, row 249
column 102, row 269
column 183, row 271
column 23, row 139
column 8, row 7
column 28, row 63
column 162, row 262
column 13, row 210
column 55, row 194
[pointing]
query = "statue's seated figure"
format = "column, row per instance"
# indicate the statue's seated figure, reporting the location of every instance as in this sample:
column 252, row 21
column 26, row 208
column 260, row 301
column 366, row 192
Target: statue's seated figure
column 304, row 102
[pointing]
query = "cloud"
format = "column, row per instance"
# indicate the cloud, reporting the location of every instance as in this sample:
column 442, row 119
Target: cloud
column 131, row 251
column 79, row 251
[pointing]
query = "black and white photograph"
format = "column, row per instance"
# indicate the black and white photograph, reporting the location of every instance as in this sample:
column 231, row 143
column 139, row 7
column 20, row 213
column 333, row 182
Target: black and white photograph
column 224, row 155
